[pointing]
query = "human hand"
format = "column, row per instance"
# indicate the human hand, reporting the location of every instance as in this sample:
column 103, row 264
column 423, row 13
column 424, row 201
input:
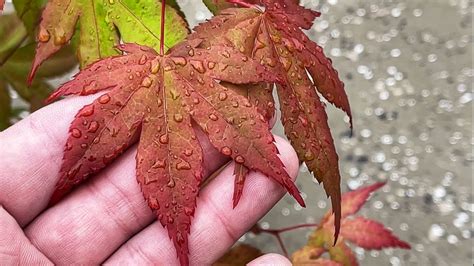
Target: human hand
column 106, row 220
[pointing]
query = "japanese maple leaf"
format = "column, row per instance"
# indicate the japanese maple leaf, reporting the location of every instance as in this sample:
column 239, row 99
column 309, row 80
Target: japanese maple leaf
column 361, row 231
column 100, row 24
column 155, row 99
column 274, row 37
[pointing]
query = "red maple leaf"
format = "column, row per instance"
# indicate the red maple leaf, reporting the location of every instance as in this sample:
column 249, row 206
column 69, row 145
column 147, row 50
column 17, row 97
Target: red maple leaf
column 155, row 99
column 361, row 231
column 274, row 38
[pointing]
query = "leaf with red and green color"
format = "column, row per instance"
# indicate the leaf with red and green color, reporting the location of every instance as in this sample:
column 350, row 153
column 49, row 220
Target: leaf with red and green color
column 342, row 254
column 370, row 234
column 311, row 256
column 274, row 38
column 362, row 232
column 154, row 99
column 101, row 24
column 322, row 239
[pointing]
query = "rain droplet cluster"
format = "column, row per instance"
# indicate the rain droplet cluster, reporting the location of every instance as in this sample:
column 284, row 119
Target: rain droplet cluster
column 408, row 72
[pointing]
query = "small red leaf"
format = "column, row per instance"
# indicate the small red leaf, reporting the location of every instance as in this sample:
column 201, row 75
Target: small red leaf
column 240, row 173
column 370, row 234
column 354, row 200
column 2, row 3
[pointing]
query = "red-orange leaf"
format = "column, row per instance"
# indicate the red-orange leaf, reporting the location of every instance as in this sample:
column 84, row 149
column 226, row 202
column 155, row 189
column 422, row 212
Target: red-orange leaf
column 363, row 232
column 240, row 173
column 155, row 98
column 2, row 3
column 370, row 234
column 274, row 38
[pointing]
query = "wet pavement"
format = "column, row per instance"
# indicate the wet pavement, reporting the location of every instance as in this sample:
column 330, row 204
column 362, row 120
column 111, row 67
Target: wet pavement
column 408, row 71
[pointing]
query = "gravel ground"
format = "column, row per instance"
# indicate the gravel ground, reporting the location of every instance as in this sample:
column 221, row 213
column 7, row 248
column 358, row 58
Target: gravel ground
column 408, row 71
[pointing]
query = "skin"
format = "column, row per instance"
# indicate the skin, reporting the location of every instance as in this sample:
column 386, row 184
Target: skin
column 106, row 220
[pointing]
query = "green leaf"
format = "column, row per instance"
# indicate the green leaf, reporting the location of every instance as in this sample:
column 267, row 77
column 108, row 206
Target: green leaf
column 12, row 33
column 5, row 105
column 29, row 12
column 100, row 26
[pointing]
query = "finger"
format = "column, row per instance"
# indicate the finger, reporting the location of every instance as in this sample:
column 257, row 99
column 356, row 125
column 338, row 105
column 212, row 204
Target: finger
column 31, row 153
column 30, row 156
column 216, row 225
column 269, row 260
column 15, row 248
column 103, row 213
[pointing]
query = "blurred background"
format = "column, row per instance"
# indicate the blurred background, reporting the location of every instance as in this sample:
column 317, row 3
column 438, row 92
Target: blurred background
column 408, row 71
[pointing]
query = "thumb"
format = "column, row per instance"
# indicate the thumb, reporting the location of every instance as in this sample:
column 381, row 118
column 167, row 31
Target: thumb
column 270, row 259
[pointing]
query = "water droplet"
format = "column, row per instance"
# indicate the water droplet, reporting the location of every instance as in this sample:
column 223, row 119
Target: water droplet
column 222, row 96
column 171, row 183
column 153, row 203
column 178, row 118
column 179, row 60
column 142, row 60
column 155, row 66
column 59, row 37
column 226, row 151
column 309, row 156
column 93, row 127
column 76, row 133
column 198, row 65
column 147, row 81
column 159, row 164
column 183, row 165
column 88, row 110
column 240, row 159
column 211, row 65
column 170, row 220
column 104, row 99
column 188, row 152
column 164, row 139
column 213, row 117
column 43, row 35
